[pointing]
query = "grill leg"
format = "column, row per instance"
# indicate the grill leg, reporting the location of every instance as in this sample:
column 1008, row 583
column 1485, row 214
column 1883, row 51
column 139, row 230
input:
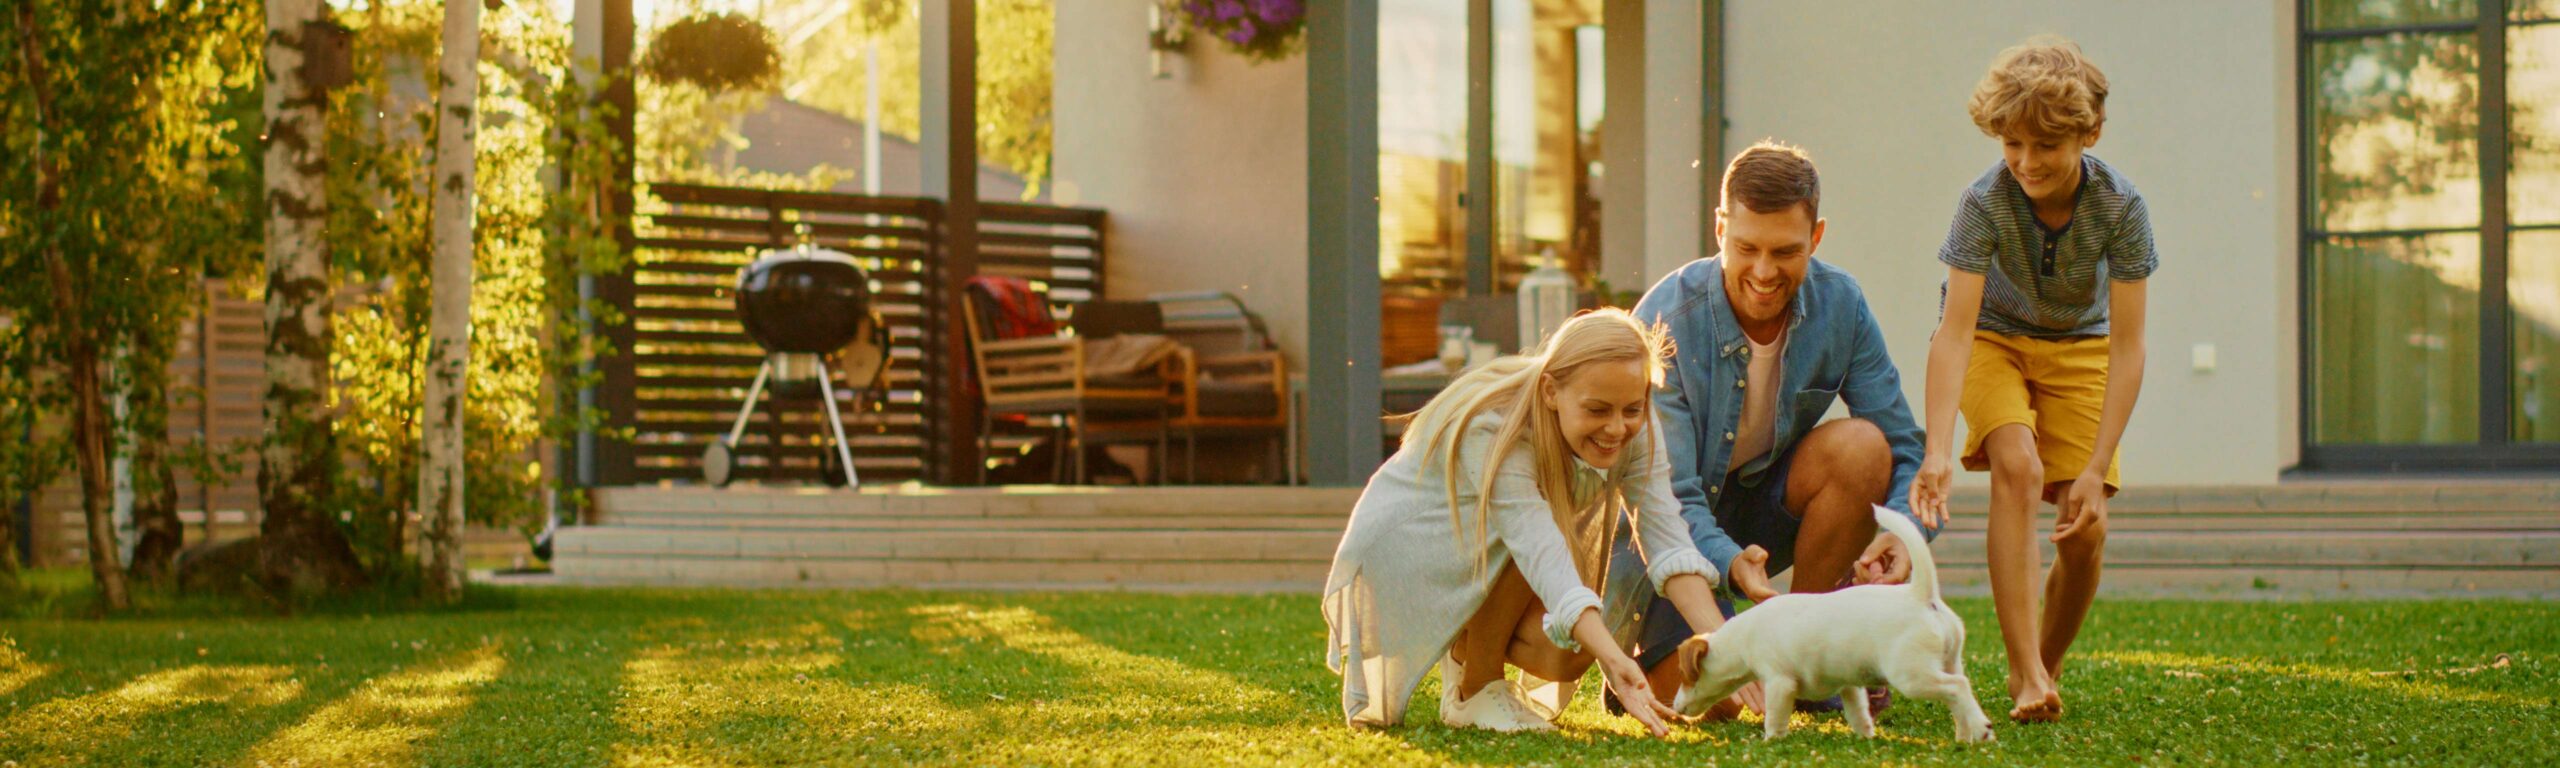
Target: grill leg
column 844, row 452
column 748, row 409
column 773, row 441
column 737, row 429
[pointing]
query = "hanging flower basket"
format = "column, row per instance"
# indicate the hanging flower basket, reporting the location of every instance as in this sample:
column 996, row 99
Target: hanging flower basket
column 716, row 52
column 1261, row 30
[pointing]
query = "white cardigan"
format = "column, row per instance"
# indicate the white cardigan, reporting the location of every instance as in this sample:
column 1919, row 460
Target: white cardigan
column 1402, row 585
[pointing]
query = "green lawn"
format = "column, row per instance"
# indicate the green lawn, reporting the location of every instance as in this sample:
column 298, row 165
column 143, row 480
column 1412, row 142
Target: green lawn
column 711, row 677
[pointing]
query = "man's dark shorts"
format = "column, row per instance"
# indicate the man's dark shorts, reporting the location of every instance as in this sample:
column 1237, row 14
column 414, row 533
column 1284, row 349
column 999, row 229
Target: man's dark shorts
column 1752, row 512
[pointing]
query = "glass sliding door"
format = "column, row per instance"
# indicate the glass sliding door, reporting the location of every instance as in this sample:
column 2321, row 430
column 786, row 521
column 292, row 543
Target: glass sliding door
column 2431, row 234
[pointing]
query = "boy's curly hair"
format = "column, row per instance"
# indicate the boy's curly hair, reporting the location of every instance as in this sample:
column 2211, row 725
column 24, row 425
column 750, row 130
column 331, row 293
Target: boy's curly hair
column 2045, row 87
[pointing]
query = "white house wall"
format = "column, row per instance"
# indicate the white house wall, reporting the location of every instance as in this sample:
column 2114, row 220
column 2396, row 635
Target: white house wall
column 1204, row 173
column 2200, row 118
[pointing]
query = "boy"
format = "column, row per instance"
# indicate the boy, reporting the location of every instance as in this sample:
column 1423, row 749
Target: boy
column 2039, row 343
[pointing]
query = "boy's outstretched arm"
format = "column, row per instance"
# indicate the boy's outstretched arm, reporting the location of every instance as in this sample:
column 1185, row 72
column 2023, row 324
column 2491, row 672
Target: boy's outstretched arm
column 2125, row 357
column 1950, row 349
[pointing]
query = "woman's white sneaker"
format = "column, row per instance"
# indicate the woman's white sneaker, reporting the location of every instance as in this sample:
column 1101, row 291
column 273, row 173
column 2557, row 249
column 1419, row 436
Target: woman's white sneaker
column 1498, row 707
column 1450, row 674
column 1548, row 697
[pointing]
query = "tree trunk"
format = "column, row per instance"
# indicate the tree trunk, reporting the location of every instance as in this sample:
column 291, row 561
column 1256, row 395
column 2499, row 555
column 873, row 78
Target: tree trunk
column 8, row 540
column 80, row 347
column 449, row 320
column 19, row 482
column 155, row 505
column 301, row 550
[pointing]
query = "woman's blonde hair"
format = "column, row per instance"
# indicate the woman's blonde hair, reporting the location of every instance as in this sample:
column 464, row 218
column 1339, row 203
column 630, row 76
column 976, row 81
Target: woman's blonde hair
column 1510, row 385
column 2045, row 88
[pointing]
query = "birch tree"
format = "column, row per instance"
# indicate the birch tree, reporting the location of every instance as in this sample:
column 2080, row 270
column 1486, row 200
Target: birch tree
column 440, row 479
column 301, row 548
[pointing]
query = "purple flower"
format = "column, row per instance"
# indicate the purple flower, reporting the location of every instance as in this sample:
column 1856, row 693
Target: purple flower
column 1278, row 11
column 1258, row 27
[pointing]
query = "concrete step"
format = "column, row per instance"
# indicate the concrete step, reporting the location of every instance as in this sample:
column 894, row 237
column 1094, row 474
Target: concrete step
column 822, row 522
column 2323, row 539
column 2325, row 497
column 2363, row 581
column 2120, row 520
column 945, row 574
column 2537, row 549
column 1158, row 546
column 2503, row 503
column 1007, row 502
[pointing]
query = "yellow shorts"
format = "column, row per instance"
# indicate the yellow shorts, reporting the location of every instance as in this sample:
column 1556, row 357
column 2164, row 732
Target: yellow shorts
column 2057, row 388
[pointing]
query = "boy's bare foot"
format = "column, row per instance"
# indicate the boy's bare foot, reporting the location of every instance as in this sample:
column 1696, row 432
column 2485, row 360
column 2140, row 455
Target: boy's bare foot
column 2037, row 702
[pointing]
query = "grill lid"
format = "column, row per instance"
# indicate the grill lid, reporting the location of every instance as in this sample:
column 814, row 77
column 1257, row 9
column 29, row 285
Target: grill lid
column 805, row 300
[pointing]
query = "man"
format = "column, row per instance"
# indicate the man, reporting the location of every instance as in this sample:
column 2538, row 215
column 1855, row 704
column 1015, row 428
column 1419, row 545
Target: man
column 1766, row 338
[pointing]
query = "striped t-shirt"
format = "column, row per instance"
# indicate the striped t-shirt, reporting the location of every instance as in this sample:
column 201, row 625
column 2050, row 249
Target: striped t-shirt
column 2039, row 282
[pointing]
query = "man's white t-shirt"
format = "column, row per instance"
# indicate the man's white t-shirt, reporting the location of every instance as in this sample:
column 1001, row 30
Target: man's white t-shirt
column 1759, row 428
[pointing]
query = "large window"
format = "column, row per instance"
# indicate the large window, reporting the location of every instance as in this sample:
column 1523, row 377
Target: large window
column 2431, row 233
column 1545, row 82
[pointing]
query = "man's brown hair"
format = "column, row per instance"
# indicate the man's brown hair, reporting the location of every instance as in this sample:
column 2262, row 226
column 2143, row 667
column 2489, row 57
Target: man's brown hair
column 1771, row 177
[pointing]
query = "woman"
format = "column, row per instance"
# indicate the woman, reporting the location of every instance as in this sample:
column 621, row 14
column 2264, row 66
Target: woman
column 1448, row 561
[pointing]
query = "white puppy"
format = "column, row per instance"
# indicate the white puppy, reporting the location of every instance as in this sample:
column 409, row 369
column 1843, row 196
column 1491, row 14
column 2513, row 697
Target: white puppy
column 1839, row 642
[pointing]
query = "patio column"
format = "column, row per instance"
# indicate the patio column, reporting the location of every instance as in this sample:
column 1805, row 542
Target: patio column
column 1481, row 169
column 1343, row 441
column 1711, row 151
column 949, row 92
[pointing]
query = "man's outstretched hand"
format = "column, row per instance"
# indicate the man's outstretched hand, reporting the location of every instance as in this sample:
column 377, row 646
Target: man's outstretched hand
column 1751, row 574
column 1887, row 561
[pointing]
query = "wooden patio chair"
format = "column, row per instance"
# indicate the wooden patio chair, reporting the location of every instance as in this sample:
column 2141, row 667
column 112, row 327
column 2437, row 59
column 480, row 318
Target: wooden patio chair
column 1046, row 376
column 1231, row 382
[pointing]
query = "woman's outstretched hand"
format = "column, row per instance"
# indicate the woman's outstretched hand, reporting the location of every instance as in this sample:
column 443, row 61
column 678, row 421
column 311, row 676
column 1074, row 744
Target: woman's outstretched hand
column 1627, row 679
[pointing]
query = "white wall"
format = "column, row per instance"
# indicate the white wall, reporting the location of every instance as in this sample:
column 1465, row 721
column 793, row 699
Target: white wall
column 1674, row 137
column 1204, row 174
column 2200, row 119
column 1651, row 201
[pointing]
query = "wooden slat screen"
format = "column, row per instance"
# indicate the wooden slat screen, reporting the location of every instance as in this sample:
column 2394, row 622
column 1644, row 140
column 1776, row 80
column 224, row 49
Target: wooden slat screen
column 695, row 362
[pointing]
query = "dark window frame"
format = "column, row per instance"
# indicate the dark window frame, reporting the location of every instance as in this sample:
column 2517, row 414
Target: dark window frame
column 2495, row 450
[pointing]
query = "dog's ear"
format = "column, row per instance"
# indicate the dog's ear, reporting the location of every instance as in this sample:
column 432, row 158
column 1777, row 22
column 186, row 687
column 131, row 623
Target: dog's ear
column 1692, row 657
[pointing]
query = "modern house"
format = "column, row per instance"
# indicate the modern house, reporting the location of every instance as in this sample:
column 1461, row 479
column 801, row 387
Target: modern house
column 2354, row 335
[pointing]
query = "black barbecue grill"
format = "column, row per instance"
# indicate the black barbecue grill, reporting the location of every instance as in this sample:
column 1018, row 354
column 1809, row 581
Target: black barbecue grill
column 804, row 306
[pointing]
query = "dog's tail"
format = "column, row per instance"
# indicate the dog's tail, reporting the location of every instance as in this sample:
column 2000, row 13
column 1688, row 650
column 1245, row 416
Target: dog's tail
column 1924, row 567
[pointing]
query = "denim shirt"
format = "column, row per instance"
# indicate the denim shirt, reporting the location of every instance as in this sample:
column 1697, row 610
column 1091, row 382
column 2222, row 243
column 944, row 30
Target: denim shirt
column 1834, row 351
